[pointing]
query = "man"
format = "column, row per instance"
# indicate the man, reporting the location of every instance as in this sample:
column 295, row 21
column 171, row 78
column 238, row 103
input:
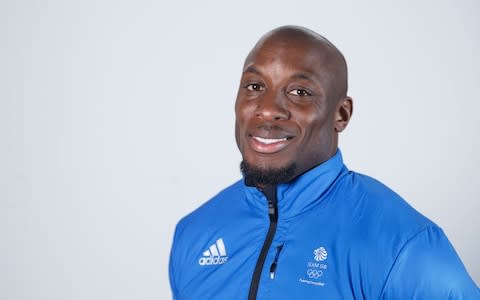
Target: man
column 300, row 225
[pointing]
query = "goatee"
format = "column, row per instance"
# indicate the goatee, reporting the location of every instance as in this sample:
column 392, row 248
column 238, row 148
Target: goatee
column 261, row 177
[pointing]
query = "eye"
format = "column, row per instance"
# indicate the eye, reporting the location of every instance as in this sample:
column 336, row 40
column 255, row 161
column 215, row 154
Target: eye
column 299, row 92
column 254, row 87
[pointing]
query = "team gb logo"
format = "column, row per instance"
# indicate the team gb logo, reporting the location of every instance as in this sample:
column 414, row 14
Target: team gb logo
column 320, row 254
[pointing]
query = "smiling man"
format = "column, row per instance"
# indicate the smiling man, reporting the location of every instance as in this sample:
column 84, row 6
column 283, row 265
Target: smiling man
column 300, row 225
column 290, row 106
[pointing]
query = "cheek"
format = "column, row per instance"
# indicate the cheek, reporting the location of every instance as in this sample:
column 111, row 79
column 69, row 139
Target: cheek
column 237, row 134
column 318, row 129
column 243, row 113
column 241, row 120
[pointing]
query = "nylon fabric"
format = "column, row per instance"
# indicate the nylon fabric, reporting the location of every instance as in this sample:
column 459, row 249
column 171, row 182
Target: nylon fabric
column 343, row 236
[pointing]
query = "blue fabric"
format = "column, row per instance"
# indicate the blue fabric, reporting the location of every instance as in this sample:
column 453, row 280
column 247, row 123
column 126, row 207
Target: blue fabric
column 344, row 236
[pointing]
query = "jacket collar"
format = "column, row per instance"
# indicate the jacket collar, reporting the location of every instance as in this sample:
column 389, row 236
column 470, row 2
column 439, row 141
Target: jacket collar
column 302, row 193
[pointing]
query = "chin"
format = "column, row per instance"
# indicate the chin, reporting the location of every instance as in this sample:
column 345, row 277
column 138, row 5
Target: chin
column 267, row 162
column 265, row 173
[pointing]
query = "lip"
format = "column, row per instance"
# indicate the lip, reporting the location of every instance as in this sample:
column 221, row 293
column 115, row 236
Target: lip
column 268, row 145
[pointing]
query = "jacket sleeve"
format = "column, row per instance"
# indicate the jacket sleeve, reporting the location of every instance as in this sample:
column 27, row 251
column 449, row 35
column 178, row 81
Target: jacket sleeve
column 172, row 267
column 428, row 267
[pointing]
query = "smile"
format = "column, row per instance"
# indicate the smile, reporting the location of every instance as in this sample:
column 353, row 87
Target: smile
column 268, row 145
column 269, row 141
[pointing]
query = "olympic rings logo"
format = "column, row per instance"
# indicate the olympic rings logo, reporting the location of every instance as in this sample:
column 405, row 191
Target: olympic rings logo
column 315, row 274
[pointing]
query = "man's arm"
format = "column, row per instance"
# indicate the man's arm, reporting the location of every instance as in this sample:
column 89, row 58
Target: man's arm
column 171, row 267
column 428, row 267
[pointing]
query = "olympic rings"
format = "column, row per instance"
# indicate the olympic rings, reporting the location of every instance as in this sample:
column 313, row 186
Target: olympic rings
column 315, row 274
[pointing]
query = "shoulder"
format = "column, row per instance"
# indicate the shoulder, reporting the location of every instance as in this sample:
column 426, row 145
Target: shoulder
column 400, row 249
column 195, row 232
column 213, row 209
column 199, row 227
column 427, row 267
column 375, row 203
column 218, row 214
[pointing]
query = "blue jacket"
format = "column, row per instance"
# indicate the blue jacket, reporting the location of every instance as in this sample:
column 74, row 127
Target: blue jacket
column 337, row 235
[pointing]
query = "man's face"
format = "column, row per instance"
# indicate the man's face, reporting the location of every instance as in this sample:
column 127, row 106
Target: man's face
column 284, row 115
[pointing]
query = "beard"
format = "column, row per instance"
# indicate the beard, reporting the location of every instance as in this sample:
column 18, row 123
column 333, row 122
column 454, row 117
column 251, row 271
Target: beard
column 261, row 177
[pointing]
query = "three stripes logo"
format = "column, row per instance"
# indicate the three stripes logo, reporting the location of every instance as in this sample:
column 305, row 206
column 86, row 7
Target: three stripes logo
column 215, row 255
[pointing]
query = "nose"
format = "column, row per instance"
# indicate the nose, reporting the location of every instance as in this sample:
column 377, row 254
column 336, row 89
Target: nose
column 273, row 107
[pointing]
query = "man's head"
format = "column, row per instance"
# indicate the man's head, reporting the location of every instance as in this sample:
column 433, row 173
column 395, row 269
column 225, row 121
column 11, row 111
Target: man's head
column 291, row 105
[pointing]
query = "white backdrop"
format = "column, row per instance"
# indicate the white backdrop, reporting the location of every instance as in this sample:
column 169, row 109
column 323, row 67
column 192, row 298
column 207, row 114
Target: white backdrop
column 116, row 119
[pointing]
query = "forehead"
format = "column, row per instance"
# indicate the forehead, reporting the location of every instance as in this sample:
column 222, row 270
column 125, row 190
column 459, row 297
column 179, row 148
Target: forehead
column 278, row 57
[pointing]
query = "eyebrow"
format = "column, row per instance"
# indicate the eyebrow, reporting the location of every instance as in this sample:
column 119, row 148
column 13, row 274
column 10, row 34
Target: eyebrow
column 252, row 69
column 304, row 76
column 299, row 75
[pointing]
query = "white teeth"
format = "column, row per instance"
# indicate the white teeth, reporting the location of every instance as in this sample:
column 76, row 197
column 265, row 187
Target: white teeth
column 269, row 141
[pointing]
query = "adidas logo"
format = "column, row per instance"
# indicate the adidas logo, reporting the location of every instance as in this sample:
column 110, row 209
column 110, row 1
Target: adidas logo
column 215, row 255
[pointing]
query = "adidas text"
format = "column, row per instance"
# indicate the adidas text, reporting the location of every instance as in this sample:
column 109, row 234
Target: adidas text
column 212, row 260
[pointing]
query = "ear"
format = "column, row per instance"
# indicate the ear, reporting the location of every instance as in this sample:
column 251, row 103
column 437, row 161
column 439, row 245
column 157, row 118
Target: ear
column 343, row 113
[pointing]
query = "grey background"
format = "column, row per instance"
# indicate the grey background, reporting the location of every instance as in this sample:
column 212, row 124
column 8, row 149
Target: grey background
column 116, row 119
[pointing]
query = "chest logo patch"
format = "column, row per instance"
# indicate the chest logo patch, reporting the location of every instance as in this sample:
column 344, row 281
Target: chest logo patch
column 320, row 254
column 215, row 255
column 316, row 268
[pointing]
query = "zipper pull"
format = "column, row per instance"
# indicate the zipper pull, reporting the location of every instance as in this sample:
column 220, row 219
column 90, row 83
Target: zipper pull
column 273, row 267
column 270, row 193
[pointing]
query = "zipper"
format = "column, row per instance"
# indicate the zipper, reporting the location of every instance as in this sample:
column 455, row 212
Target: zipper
column 273, row 267
column 271, row 194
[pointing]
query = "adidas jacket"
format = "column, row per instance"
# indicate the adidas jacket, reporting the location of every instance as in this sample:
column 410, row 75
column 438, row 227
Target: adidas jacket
column 330, row 234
